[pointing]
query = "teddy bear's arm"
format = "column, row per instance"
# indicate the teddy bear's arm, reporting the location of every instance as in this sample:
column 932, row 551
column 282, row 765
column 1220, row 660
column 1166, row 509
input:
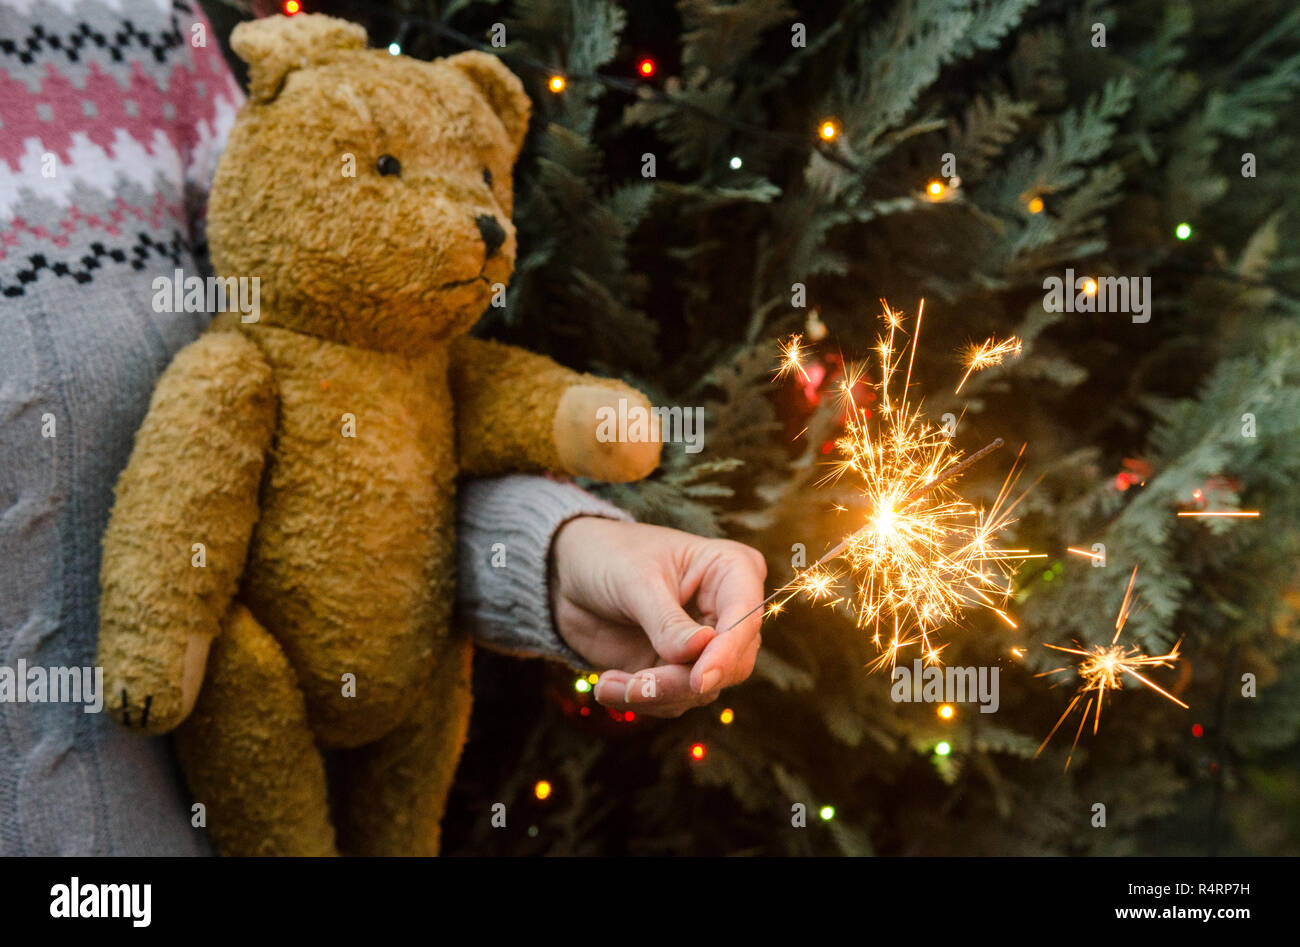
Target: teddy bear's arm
column 516, row 410
column 184, row 511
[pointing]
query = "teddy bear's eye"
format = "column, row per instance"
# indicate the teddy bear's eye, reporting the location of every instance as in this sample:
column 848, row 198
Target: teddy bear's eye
column 387, row 165
column 487, row 177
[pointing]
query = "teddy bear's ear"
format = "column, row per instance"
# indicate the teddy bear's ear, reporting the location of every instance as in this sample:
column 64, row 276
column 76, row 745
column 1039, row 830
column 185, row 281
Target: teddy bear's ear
column 276, row 45
column 501, row 87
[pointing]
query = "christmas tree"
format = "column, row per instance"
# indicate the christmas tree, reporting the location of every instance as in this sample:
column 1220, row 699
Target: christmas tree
column 705, row 179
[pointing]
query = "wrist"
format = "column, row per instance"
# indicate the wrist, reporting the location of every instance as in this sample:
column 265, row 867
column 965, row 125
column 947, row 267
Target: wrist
column 569, row 538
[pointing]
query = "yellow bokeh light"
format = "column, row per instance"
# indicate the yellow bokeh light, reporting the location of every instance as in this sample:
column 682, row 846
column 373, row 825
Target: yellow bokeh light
column 935, row 188
column 829, row 130
column 727, row 716
column 542, row 790
column 946, row 711
column 556, row 84
column 1036, row 206
column 1090, row 287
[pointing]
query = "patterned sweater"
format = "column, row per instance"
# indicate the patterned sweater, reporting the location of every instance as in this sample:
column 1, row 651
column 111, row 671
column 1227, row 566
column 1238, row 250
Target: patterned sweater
column 112, row 115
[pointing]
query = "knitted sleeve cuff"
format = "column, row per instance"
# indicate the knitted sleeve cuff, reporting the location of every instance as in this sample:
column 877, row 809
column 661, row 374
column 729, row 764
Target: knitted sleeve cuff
column 504, row 530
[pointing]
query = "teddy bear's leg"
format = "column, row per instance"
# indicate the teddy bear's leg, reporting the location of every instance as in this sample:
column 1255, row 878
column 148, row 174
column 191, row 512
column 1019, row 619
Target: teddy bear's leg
column 248, row 752
column 391, row 793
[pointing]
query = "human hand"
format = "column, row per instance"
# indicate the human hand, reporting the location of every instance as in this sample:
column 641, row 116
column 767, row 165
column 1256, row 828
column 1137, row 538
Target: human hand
column 656, row 606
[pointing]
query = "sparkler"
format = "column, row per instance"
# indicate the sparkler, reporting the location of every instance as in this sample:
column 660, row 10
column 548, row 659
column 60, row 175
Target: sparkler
column 1095, row 556
column 988, row 353
column 923, row 556
column 791, row 350
column 1101, row 669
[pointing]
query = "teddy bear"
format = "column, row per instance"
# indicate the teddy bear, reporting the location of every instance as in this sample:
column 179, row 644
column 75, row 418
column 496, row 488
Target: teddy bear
column 277, row 572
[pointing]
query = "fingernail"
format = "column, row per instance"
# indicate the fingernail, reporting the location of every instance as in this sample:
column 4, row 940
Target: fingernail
column 688, row 636
column 640, row 687
column 709, row 680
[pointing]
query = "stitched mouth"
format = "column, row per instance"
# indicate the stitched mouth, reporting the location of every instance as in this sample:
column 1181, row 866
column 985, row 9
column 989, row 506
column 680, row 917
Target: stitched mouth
column 463, row 282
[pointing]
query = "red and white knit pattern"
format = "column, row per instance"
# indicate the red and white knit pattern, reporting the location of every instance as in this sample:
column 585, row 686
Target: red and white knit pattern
column 116, row 120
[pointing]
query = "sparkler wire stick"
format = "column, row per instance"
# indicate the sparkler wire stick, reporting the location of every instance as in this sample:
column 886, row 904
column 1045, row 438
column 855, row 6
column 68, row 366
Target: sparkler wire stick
column 954, row 471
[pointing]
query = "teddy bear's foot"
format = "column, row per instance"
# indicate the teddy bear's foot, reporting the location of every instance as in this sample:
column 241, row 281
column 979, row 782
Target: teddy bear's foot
column 248, row 752
column 391, row 793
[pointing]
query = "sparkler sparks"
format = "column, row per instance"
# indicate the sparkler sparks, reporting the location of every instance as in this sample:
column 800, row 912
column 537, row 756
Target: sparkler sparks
column 791, row 351
column 1096, row 556
column 988, row 353
column 923, row 556
column 1101, row 669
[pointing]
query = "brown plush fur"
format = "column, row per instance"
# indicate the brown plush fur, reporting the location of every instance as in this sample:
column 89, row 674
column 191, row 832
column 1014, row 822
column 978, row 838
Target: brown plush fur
column 314, row 453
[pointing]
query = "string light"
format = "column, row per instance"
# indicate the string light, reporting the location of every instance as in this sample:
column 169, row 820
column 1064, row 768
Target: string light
column 736, row 162
column 1090, row 287
column 935, row 189
column 946, row 711
column 582, row 685
column 542, row 790
column 827, row 813
column 943, row 748
column 697, row 751
column 291, row 7
column 1036, row 205
column 646, row 67
column 727, row 716
column 394, row 49
column 1183, row 231
column 627, row 85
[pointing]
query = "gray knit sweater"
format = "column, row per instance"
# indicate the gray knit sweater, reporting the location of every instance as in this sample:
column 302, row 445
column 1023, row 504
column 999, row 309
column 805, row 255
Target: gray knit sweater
column 111, row 119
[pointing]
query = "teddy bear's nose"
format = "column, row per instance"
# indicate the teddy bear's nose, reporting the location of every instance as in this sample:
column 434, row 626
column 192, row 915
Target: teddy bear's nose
column 493, row 234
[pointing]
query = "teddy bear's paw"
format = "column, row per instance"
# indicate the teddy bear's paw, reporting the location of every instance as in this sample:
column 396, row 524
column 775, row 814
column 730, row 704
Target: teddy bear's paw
column 157, row 704
column 138, row 708
column 607, row 434
column 133, row 714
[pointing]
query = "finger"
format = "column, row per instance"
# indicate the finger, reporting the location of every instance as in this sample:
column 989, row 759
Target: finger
column 663, row 685
column 610, row 688
column 751, row 658
column 612, row 698
column 606, row 644
column 724, row 660
column 645, row 693
column 676, row 636
column 651, row 689
column 672, row 711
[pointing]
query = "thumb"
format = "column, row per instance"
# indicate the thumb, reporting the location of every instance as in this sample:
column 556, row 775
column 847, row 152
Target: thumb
column 675, row 635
